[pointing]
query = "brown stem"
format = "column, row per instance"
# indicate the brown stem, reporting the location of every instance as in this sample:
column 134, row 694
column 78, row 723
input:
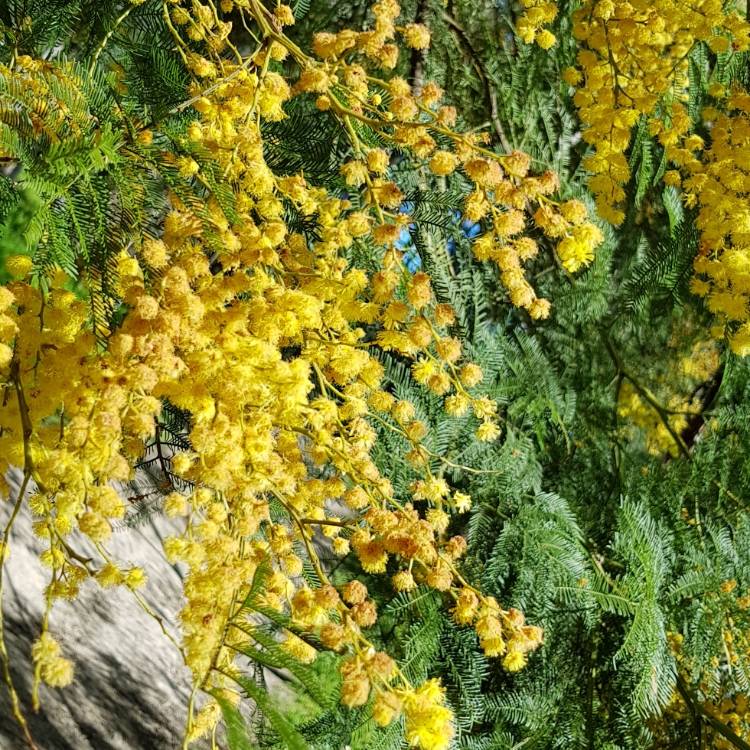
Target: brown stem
column 697, row 420
column 325, row 522
column 647, row 396
column 418, row 55
column 489, row 92
column 15, row 701
column 697, row 708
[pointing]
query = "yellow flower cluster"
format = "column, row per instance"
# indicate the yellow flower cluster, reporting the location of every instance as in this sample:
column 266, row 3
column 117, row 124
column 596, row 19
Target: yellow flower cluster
column 633, row 62
column 658, row 430
column 734, row 712
column 56, row 670
column 536, row 15
column 731, row 713
column 427, row 719
column 259, row 334
column 662, row 415
column 505, row 193
column 503, row 200
column 716, row 180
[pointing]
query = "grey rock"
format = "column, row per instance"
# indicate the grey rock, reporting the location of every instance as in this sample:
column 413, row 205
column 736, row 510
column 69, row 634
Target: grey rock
column 131, row 687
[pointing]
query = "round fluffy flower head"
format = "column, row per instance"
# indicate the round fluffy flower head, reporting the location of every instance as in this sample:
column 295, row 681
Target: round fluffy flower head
column 55, row 670
column 574, row 211
column 540, row 309
column 341, row 546
column 417, row 36
column 354, row 172
column 135, row 578
column 443, row 163
column 175, row 504
column 428, row 721
column 355, row 684
column 96, row 527
column 372, row 556
column 438, row 519
column 181, row 463
column 444, row 314
column 377, row 160
column 333, row 635
column 354, row 592
column 109, row 575
column 456, row 547
column 284, row 15
column 19, row 265
column 431, row 94
column 364, row 614
column 546, row 39
column 404, row 581
column 386, row 707
column 471, row 374
column 467, row 607
column 403, row 411
column 155, row 253
column 514, row 661
column 439, row 577
column 488, row 431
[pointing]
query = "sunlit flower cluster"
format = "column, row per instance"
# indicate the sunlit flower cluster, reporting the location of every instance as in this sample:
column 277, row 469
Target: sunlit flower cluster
column 633, row 62
column 530, row 27
column 717, row 181
column 507, row 197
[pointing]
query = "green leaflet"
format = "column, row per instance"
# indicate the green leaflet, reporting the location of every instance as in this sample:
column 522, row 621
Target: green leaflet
column 236, row 728
column 291, row 738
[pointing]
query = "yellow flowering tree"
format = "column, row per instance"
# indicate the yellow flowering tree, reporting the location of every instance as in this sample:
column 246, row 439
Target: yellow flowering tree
column 405, row 436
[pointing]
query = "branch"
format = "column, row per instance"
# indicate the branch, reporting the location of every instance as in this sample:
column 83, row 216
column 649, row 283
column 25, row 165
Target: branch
column 325, row 522
column 712, row 387
column 489, row 92
column 647, row 396
column 416, row 65
column 697, row 708
column 27, row 475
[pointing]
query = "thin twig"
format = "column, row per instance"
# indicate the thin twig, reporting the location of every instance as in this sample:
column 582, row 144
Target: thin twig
column 489, row 92
column 107, row 37
column 4, row 656
column 697, row 708
column 647, row 396
column 27, row 476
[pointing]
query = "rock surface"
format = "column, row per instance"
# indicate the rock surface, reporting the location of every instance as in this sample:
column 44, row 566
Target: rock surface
column 131, row 687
